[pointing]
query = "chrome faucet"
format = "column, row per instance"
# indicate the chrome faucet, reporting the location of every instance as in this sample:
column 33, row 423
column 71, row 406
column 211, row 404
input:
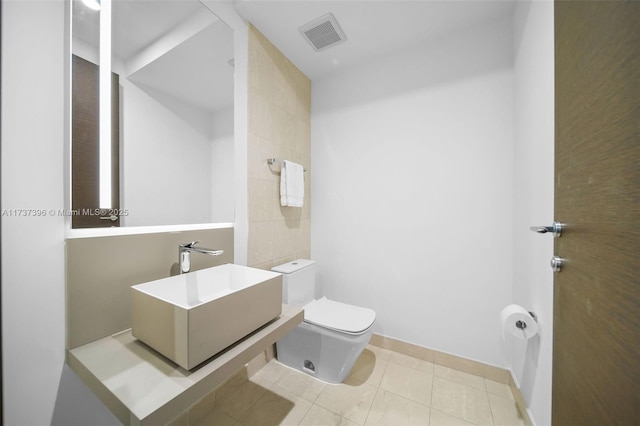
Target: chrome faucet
column 184, row 254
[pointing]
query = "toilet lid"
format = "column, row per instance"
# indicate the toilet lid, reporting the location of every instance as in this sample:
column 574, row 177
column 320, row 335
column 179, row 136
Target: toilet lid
column 338, row 316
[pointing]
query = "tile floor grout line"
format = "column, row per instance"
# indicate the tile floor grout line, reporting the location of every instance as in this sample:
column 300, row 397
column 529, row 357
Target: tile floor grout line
column 490, row 410
column 457, row 417
column 250, row 405
column 305, row 413
column 329, row 409
column 386, row 366
column 379, row 389
column 415, row 368
column 433, row 384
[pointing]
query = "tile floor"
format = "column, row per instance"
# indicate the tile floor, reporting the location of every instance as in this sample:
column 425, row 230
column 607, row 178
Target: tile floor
column 384, row 388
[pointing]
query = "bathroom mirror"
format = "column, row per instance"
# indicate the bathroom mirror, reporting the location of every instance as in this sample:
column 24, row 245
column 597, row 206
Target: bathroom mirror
column 171, row 115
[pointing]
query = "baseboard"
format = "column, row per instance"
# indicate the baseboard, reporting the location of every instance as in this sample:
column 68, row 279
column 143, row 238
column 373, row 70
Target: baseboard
column 520, row 403
column 491, row 372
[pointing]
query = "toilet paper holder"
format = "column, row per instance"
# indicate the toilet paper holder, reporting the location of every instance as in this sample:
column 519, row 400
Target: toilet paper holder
column 523, row 325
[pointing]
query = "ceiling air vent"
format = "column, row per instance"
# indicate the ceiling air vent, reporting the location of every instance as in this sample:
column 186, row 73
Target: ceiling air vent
column 323, row 32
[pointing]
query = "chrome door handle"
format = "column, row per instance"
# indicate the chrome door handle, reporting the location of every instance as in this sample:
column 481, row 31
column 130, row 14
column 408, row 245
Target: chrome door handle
column 555, row 229
column 112, row 218
column 556, row 263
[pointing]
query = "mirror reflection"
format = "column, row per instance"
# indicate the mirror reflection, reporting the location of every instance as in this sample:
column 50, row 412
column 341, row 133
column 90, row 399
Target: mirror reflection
column 171, row 115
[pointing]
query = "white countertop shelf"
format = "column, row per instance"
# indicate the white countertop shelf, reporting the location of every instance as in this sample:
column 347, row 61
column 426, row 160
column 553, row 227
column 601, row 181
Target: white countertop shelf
column 142, row 387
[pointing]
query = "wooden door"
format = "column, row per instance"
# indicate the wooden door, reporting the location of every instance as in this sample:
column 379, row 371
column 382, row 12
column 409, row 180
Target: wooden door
column 85, row 148
column 596, row 340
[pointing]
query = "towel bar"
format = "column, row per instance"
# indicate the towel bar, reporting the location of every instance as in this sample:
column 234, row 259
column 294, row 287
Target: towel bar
column 272, row 161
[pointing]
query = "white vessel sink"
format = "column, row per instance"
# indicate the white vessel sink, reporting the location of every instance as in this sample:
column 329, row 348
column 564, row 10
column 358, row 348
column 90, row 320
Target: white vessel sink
column 190, row 317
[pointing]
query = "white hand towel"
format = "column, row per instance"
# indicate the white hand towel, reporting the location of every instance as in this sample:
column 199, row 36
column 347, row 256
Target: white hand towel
column 291, row 184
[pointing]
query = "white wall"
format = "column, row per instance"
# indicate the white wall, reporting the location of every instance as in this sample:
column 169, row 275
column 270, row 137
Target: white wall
column 166, row 159
column 533, row 196
column 161, row 137
column 227, row 12
column 37, row 388
column 222, row 199
column 412, row 191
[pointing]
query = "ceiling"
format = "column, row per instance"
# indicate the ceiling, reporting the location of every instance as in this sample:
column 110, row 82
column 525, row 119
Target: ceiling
column 135, row 23
column 177, row 47
column 373, row 28
column 196, row 71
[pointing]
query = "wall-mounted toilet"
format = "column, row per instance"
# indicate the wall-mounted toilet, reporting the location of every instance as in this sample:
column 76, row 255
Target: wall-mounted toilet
column 332, row 336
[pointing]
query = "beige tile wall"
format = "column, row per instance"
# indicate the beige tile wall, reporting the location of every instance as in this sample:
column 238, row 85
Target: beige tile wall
column 101, row 270
column 279, row 127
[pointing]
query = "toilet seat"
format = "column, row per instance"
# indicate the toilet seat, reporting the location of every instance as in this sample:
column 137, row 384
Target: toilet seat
column 338, row 316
